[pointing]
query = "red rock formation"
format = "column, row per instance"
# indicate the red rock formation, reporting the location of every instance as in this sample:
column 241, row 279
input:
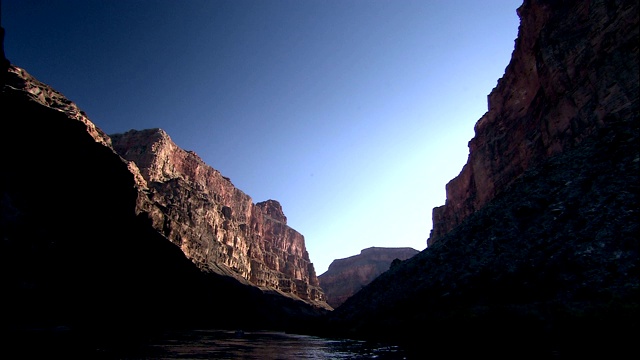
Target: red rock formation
column 347, row 276
column 215, row 224
column 572, row 71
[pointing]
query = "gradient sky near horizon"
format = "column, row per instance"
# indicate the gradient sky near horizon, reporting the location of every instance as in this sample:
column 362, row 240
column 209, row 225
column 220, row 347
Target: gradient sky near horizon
column 353, row 114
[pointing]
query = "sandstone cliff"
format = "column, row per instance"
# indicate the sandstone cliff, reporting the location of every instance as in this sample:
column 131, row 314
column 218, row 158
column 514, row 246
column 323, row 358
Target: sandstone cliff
column 215, row 224
column 536, row 253
column 573, row 70
column 347, row 276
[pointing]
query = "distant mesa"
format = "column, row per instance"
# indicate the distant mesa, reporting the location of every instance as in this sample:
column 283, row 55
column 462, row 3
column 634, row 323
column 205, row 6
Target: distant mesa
column 347, row 276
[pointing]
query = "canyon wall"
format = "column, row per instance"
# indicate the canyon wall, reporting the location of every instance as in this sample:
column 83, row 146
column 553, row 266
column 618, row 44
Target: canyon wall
column 536, row 253
column 215, row 224
column 347, row 276
column 572, row 71
column 188, row 204
column 82, row 269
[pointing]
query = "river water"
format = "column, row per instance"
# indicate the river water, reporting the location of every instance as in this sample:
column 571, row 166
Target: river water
column 263, row 345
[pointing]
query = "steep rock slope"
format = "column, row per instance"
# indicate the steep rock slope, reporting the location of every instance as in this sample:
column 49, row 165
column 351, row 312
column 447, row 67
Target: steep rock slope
column 347, row 276
column 215, row 224
column 574, row 69
column 542, row 262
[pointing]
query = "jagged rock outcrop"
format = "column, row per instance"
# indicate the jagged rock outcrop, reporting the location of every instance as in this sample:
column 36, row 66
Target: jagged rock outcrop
column 542, row 262
column 573, row 70
column 347, row 276
column 215, row 224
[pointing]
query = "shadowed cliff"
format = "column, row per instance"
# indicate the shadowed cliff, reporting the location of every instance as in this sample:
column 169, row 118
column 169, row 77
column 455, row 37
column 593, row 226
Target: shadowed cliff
column 549, row 267
column 536, row 252
column 574, row 69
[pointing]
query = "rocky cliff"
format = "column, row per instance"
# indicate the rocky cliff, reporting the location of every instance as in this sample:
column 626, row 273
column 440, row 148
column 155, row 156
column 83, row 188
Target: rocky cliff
column 347, row 276
column 573, row 70
column 536, row 253
column 215, row 224
column 83, row 267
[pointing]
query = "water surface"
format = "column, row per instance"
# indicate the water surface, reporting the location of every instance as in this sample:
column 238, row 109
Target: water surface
column 263, row 345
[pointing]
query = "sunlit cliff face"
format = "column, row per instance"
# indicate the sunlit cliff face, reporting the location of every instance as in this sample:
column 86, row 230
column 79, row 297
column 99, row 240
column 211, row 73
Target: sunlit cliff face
column 216, row 224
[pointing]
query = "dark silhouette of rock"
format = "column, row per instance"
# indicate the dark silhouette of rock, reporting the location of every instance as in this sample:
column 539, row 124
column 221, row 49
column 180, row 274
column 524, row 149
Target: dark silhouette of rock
column 536, row 252
column 347, row 276
column 4, row 62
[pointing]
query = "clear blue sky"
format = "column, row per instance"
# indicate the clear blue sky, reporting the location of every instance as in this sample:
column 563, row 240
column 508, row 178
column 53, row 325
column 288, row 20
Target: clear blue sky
column 353, row 114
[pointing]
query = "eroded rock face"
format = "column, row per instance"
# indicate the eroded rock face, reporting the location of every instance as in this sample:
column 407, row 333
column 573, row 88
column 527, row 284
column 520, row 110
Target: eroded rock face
column 215, row 224
column 347, row 276
column 573, row 71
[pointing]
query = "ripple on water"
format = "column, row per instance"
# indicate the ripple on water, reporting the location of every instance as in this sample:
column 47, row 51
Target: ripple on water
column 265, row 345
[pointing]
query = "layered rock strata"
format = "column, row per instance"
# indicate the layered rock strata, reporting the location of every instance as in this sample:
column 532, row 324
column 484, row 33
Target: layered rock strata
column 215, row 224
column 347, row 276
column 573, row 71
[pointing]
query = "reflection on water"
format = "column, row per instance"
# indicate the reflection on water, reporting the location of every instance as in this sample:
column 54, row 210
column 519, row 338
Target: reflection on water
column 264, row 345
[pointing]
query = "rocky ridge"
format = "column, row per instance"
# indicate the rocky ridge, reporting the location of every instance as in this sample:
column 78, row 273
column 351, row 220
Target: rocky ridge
column 215, row 224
